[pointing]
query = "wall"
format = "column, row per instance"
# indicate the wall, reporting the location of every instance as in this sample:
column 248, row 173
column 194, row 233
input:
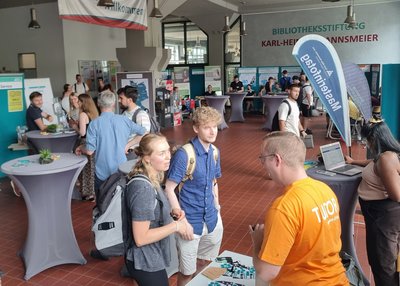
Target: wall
column 264, row 47
column 46, row 42
column 89, row 42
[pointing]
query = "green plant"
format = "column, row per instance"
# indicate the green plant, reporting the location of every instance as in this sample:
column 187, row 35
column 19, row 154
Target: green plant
column 45, row 156
column 52, row 128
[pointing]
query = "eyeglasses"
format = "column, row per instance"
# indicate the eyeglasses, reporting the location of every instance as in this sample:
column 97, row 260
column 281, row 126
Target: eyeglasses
column 263, row 157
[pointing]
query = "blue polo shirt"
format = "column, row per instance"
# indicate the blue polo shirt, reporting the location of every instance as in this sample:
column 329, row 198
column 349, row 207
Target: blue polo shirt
column 108, row 135
column 196, row 197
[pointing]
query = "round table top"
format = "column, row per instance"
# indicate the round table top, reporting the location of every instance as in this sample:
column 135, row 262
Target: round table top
column 127, row 166
column 37, row 134
column 216, row 96
column 274, row 96
column 29, row 165
column 312, row 172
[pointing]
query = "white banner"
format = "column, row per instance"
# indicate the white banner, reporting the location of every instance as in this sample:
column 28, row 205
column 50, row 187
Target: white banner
column 127, row 14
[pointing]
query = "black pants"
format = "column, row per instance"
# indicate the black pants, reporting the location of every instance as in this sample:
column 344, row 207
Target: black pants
column 382, row 234
column 144, row 278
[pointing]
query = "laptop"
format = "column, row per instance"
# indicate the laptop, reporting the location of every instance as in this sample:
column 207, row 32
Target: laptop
column 334, row 160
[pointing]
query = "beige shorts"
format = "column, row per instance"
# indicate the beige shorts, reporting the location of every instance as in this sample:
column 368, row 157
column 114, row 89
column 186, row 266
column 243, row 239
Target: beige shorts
column 205, row 246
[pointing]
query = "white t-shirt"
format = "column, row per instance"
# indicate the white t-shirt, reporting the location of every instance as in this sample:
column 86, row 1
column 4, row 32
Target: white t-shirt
column 291, row 121
column 142, row 119
column 80, row 88
column 307, row 89
column 65, row 104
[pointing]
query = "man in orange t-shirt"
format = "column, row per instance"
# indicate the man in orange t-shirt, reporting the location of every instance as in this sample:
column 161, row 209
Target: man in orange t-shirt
column 300, row 242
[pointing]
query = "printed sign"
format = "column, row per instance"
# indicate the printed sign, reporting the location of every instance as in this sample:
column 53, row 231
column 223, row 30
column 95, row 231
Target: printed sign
column 321, row 64
column 127, row 14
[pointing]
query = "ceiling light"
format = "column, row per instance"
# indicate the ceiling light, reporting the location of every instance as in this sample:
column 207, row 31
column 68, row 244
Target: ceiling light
column 155, row 13
column 33, row 24
column 349, row 17
column 105, row 3
column 226, row 28
column 243, row 29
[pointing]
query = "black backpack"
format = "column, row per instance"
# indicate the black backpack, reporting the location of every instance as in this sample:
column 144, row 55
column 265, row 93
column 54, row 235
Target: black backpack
column 154, row 125
column 275, row 120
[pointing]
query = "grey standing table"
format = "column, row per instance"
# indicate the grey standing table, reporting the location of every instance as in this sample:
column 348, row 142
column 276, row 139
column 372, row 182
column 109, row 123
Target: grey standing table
column 218, row 102
column 271, row 103
column 125, row 168
column 345, row 188
column 47, row 191
column 62, row 143
column 236, row 106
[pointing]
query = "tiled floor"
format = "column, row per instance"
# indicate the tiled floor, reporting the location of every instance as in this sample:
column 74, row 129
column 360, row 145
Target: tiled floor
column 245, row 197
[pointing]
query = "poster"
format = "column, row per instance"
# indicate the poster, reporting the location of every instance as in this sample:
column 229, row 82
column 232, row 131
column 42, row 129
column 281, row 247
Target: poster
column 15, row 101
column 142, row 85
column 248, row 76
column 43, row 86
column 212, row 76
column 181, row 74
column 266, row 72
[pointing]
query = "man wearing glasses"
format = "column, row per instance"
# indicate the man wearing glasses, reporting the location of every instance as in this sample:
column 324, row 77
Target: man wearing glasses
column 299, row 243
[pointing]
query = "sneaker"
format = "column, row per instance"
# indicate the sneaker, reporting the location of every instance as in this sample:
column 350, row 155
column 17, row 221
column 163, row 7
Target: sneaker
column 15, row 190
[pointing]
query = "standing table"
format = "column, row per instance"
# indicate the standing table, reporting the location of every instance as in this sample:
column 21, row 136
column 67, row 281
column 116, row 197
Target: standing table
column 218, row 102
column 236, row 106
column 272, row 103
column 345, row 188
column 59, row 142
column 47, row 191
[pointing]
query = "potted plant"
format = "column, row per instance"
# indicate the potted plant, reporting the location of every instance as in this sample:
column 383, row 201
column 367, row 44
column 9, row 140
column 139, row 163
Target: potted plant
column 45, row 156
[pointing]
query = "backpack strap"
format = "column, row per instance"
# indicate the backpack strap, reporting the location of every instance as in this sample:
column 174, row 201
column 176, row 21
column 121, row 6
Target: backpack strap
column 191, row 163
column 135, row 114
column 290, row 108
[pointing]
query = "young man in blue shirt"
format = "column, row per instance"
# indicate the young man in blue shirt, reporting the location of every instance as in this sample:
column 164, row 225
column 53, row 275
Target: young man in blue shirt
column 198, row 198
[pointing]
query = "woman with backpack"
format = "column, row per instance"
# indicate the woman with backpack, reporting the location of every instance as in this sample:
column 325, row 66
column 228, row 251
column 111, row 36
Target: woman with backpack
column 148, row 246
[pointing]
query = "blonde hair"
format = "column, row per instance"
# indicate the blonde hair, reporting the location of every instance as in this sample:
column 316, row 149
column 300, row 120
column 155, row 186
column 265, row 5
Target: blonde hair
column 206, row 114
column 88, row 106
column 288, row 145
column 142, row 167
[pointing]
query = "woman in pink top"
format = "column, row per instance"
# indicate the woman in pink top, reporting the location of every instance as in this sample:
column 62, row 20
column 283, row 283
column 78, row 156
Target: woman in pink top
column 379, row 196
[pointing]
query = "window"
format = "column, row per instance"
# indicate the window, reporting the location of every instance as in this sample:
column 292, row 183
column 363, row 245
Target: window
column 188, row 43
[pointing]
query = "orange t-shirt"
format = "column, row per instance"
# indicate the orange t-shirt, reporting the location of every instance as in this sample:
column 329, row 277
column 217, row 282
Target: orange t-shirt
column 302, row 234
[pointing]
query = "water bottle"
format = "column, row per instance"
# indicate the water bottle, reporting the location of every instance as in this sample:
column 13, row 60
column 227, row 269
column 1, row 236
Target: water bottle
column 19, row 134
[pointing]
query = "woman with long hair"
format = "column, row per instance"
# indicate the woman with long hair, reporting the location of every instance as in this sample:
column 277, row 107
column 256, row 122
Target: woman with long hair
column 88, row 112
column 73, row 114
column 379, row 196
column 148, row 252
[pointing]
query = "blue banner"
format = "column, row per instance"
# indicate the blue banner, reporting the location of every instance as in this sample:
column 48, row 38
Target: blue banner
column 321, row 64
column 358, row 88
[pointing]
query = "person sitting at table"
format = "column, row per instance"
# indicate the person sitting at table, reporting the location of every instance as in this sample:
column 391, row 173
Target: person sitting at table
column 236, row 85
column 150, row 222
column 269, row 87
column 209, row 91
column 34, row 113
column 262, row 91
column 299, row 242
column 379, row 197
column 88, row 113
column 249, row 102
